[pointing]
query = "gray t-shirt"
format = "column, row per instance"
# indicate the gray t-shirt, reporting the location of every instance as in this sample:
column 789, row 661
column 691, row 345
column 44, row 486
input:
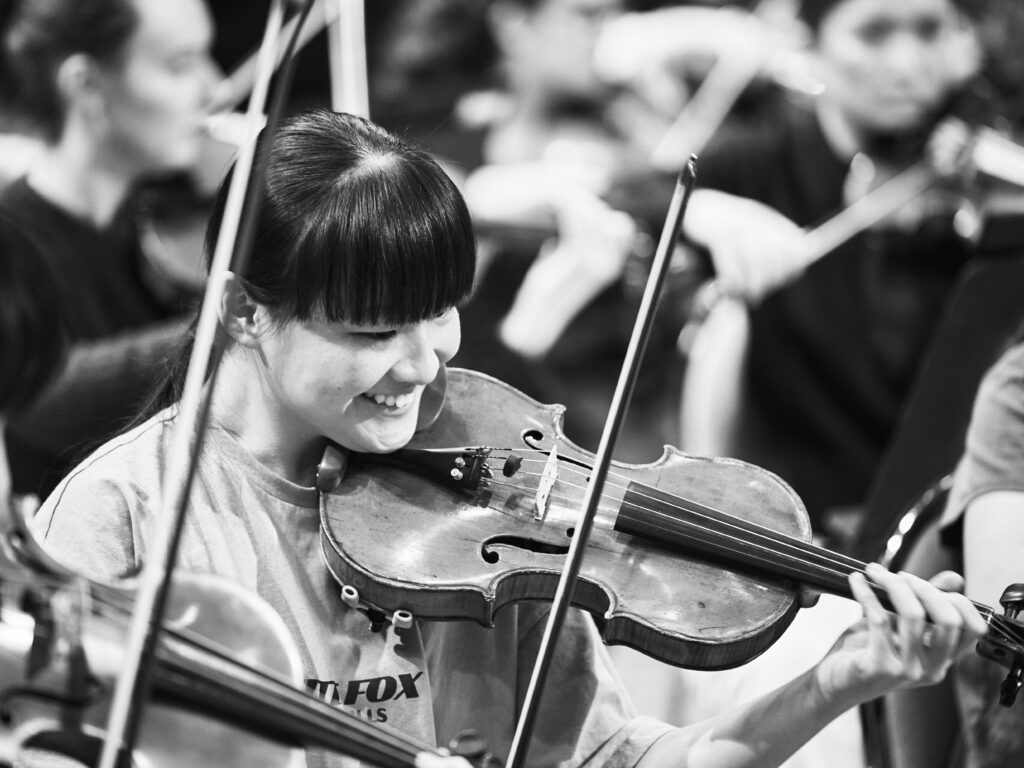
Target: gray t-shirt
column 430, row 681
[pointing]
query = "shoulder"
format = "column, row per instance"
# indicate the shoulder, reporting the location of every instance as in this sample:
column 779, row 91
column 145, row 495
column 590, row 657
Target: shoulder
column 999, row 404
column 90, row 521
column 993, row 458
column 132, row 462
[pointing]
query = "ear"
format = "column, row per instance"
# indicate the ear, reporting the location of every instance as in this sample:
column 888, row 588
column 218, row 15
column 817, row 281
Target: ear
column 78, row 82
column 244, row 320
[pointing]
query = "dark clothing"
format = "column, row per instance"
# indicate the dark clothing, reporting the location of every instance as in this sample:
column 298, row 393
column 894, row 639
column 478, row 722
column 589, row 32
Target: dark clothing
column 833, row 355
column 118, row 326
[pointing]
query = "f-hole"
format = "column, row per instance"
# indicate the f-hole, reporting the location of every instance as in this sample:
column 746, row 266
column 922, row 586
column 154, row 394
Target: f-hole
column 491, row 555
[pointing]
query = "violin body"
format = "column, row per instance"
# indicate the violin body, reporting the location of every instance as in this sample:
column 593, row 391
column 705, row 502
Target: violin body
column 403, row 543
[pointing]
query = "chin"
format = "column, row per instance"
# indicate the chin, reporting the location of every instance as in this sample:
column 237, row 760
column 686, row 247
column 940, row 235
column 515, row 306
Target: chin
column 901, row 117
column 381, row 441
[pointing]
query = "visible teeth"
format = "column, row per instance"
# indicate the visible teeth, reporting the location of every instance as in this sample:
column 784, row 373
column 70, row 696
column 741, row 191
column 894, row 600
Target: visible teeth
column 392, row 401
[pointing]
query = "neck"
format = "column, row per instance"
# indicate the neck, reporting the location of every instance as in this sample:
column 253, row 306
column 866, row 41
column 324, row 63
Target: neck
column 245, row 406
column 72, row 175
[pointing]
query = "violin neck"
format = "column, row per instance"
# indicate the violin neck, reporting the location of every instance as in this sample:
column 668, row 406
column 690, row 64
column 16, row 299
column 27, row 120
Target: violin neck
column 689, row 526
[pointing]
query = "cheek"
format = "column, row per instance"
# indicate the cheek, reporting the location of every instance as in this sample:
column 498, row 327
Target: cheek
column 849, row 63
column 148, row 137
column 316, row 395
column 167, row 112
column 450, row 342
column 330, row 380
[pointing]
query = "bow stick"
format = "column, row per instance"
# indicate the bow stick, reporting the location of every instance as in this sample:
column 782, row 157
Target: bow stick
column 613, row 424
column 133, row 682
column 346, row 47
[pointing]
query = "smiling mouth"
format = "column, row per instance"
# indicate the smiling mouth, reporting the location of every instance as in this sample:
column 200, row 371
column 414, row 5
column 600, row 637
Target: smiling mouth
column 391, row 401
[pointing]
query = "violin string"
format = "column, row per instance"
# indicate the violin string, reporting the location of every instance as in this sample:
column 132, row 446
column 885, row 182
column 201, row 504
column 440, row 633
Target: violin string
column 836, row 566
column 828, row 562
column 838, row 561
column 806, row 554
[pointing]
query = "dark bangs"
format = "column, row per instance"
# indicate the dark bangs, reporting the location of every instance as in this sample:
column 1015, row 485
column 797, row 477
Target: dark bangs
column 393, row 244
column 356, row 226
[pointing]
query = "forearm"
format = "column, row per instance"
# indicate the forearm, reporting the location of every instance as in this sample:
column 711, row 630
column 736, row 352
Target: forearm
column 553, row 293
column 761, row 733
column 100, row 387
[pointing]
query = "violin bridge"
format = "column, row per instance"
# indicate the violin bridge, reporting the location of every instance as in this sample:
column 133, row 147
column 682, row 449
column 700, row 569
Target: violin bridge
column 547, row 482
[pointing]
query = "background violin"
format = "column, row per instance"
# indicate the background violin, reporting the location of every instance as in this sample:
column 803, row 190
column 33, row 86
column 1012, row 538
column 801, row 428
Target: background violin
column 695, row 561
column 225, row 687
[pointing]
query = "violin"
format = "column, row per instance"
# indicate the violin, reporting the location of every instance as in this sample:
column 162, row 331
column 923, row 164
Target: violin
column 226, row 681
column 694, row 561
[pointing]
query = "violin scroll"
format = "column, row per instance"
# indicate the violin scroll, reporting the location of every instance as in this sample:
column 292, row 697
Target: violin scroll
column 1006, row 647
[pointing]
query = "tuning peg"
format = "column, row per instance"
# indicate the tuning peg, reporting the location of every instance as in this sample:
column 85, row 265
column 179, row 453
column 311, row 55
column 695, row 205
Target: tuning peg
column 1012, row 600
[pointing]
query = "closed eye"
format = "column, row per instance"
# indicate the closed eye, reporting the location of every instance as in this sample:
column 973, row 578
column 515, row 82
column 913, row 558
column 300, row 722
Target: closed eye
column 380, row 335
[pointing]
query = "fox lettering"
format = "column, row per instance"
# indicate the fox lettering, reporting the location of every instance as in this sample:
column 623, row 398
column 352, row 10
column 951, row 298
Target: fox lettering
column 374, row 690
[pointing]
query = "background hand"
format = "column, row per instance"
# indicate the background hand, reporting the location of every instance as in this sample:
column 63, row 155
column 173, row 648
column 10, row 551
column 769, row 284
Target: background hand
column 755, row 249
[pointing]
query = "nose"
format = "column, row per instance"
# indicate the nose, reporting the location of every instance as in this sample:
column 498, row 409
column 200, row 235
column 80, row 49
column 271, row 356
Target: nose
column 428, row 345
column 909, row 58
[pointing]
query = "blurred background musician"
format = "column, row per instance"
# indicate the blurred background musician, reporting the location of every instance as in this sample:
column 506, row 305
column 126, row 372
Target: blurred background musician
column 833, row 349
column 984, row 524
column 116, row 93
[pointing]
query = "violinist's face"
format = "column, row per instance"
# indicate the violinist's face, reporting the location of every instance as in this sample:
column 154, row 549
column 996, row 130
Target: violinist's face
column 360, row 387
column 887, row 64
column 157, row 99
